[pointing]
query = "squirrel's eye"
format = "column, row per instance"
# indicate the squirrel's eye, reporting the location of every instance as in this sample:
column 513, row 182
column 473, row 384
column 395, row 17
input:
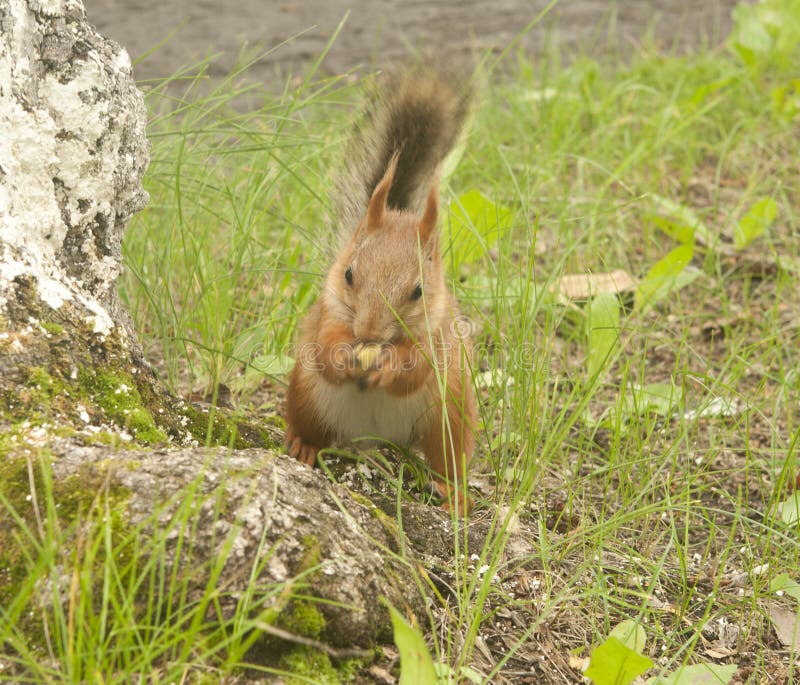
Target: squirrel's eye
column 416, row 294
column 348, row 275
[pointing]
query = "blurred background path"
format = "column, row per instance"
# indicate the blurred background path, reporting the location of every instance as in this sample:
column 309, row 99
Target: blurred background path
column 377, row 30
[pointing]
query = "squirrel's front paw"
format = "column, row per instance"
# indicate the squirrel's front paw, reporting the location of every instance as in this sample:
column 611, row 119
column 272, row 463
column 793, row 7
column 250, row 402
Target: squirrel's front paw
column 343, row 363
column 380, row 367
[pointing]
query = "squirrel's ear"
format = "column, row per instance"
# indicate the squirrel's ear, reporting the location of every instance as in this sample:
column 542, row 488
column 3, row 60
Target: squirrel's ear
column 377, row 203
column 427, row 226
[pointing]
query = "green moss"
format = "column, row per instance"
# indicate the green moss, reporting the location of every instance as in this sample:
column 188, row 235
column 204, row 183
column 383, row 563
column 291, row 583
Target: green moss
column 63, row 505
column 43, row 382
column 275, row 420
column 14, row 491
column 51, row 327
column 311, row 553
column 303, row 618
column 118, row 397
column 225, row 430
column 309, row 665
column 35, row 399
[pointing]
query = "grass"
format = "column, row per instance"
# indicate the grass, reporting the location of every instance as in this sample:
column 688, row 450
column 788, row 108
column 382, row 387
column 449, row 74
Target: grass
column 646, row 489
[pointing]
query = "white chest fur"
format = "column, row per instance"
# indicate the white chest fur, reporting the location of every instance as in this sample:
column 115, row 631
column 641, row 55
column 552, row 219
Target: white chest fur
column 352, row 413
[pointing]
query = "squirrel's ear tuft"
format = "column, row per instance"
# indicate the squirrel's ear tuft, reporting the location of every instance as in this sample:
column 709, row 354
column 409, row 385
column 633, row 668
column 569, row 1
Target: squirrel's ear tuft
column 377, row 203
column 427, row 226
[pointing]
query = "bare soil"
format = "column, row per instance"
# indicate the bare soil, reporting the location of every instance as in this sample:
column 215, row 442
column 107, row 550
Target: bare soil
column 375, row 32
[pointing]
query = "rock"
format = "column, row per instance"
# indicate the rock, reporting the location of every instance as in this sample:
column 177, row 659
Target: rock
column 259, row 511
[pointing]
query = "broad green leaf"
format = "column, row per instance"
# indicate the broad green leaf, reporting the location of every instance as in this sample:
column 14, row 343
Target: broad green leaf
column 702, row 93
column 630, row 634
column 505, row 440
column 757, row 220
column 698, row 674
column 470, row 674
column 677, row 230
column 664, row 276
column 750, row 37
column 784, row 583
column 790, row 509
column 612, row 663
column 519, row 288
column 474, row 225
column 766, row 30
column 416, row 664
column 659, row 398
column 257, row 368
column 786, row 99
column 684, row 222
column 446, row 674
column 602, row 331
column 272, row 364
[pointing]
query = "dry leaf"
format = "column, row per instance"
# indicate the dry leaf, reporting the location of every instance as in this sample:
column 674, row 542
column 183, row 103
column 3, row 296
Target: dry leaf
column 584, row 286
column 786, row 624
column 578, row 663
column 381, row 676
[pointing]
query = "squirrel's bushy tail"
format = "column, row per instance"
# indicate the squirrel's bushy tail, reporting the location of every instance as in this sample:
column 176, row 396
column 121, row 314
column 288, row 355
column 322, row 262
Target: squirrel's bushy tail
column 418, row 112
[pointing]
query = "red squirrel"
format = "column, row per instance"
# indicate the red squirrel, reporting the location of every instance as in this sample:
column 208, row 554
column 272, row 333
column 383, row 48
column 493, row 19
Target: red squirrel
column 381, row 352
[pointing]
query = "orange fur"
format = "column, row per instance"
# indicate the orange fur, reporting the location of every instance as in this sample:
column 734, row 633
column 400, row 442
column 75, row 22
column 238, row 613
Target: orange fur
column 387, row 287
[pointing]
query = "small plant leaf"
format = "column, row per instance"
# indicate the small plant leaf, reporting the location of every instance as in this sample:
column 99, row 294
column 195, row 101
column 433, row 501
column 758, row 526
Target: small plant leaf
column 715, row 408
column 602, row 331
column 750, row 36
column 506, row 440
column 766, row 30
column 786, row 99
column 416, row 664
column 702, row 93
column 683, row 224
column 753, row 224
column 494, row 378
column 258, row 367
column 612, row 663
column 630, row 634
column 272, row 364
column 661, row 399
column 677, row 230
column 698, row 674
column 790, row 509
column 784, row 583
column 474, row 225
column 665, row 275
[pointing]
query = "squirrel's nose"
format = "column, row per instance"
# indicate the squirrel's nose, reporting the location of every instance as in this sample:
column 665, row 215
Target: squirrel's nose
column 364, row 329
column 371, row 330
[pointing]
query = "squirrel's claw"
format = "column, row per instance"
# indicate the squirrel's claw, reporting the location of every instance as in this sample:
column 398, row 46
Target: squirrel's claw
column 302, row 451
column 459, row 502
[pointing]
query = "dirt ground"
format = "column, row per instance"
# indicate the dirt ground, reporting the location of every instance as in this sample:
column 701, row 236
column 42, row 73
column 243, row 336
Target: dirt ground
column 378, row 31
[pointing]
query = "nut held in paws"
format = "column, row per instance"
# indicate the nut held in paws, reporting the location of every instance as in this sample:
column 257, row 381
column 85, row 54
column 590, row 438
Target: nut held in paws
column 367, row 354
